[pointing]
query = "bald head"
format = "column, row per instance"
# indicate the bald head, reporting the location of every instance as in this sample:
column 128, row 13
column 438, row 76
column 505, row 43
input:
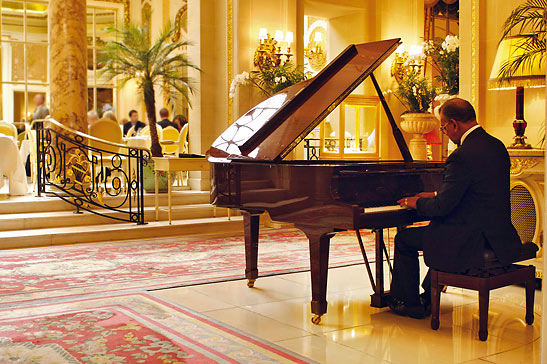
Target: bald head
column 458, row 109
column 39, row 99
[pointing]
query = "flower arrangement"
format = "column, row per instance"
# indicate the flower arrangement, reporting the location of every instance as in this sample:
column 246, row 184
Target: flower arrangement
column 445, row 55
column 269, row 80
column 415, row 92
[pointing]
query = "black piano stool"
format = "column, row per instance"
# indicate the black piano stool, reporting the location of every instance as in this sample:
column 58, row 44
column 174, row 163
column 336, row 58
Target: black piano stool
column 493, row 275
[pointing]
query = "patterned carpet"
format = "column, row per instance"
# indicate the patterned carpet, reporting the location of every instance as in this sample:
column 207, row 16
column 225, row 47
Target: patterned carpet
column 132, row 328
column 53, row 274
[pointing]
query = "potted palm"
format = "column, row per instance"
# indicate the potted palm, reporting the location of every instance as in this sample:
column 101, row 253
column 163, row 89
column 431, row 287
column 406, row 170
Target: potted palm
column 134, row 56
column 416, row 93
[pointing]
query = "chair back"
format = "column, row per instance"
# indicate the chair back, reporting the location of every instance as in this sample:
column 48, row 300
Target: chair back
column 8, row 129
column 170, row 134
column 182, row 145
column 146, row 131
column 106, row 129
column 131, row 132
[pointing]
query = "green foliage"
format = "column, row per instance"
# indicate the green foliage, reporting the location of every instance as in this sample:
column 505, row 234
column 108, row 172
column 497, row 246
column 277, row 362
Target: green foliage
column 527, row 20
column 445, row 58
column 270, row 80
column 415, row 93
column 135, row 57
column 274, row 79
column 152, row 63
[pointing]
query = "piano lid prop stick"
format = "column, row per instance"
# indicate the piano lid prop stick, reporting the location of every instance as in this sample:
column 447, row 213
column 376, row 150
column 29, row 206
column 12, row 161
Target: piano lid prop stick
column 399, row 138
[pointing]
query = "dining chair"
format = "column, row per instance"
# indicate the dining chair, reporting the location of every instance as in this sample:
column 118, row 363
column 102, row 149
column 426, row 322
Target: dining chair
column 108, row 130
column 169, row 134
column 8, row 129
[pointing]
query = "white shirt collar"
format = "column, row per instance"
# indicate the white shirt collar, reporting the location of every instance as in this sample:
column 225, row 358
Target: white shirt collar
column 468, row 132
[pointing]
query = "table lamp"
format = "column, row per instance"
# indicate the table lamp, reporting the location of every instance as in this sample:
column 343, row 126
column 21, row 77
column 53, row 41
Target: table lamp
column 527, row 74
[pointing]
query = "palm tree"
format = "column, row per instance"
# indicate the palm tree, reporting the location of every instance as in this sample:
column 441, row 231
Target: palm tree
column 159, row 64
column 528, row 20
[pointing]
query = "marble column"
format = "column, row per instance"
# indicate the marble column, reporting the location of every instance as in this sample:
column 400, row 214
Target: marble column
column 68, row 57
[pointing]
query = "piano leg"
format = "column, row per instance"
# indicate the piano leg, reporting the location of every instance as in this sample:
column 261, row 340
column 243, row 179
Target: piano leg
column 380, row 297
column 251, row 225
column 319, row 263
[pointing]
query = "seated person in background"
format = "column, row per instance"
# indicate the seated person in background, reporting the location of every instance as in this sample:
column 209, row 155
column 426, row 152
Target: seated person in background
column 164, row 123
column 133, row 122
column 471, row 211
column 110, row 116
column 107, row 107
column 92, row 117
column 180, row 121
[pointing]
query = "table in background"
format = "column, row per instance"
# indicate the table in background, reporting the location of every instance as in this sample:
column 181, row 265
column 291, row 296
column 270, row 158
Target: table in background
column 137, row 142
column 172, row 164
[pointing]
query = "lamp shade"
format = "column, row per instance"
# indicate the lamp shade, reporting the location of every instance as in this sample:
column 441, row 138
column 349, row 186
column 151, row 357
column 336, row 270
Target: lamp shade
column 528, row 74
column 318, row 38
column 289, row 37
column 263, row 34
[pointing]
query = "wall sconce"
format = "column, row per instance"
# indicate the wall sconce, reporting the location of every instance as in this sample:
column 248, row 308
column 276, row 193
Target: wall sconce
column 315, row 53
column 269, row 54
column 407, row 62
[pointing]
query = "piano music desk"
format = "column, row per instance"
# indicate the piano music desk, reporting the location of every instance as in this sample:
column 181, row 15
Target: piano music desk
column 174, row 164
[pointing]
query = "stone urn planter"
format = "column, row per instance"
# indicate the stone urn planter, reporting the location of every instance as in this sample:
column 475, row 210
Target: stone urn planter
column 418, row 124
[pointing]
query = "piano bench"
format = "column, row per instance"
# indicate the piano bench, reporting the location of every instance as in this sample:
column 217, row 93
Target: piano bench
column 491, row 276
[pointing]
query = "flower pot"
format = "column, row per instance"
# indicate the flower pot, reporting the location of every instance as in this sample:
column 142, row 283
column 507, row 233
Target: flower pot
column 418, row 124
column 149, row 182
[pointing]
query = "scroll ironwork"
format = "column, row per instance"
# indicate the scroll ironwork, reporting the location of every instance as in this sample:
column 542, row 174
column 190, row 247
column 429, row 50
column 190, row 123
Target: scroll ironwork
column 99, row 177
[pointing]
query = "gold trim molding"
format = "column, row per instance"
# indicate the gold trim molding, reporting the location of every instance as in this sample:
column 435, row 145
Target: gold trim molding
column 125, row 3
column 178, row 22
column 230, row 56
column 519, row 164
column 474, row 26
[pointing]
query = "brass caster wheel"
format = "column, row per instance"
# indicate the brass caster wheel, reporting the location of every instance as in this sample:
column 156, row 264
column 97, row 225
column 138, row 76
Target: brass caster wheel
column 251, row 283
column 316, row 319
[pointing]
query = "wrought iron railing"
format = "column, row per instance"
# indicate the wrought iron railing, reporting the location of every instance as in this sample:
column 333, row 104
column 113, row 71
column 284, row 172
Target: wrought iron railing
column 90, row 173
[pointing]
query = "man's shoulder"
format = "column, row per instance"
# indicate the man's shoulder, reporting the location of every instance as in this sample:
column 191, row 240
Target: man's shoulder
column 481, row 140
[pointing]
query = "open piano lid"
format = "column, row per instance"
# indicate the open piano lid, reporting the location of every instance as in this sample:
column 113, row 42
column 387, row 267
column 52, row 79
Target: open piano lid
column 270, row 130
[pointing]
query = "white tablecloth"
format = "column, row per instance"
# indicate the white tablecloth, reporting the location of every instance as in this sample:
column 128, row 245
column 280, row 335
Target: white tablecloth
column 137, row 141
column 12, row 167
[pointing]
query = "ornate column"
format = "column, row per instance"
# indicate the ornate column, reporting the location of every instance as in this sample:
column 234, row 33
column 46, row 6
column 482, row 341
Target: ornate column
column 68, row 57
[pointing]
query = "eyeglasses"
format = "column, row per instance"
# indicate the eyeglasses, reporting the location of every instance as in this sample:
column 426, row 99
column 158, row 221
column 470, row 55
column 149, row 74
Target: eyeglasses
column 443, row 128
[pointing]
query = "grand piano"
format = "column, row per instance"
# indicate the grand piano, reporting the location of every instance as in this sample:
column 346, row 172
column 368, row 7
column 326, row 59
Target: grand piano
column 249, row 171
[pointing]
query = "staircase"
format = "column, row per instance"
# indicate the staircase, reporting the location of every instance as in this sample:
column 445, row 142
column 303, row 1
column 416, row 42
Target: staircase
column 30, row 221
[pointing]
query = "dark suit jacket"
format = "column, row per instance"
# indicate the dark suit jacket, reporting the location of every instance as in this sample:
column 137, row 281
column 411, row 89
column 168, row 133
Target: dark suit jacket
column 138, row 126
column 471, row 208
column 164, row 123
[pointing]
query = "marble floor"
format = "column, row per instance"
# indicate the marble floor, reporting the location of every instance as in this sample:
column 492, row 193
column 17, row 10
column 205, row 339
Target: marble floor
column 277, row 310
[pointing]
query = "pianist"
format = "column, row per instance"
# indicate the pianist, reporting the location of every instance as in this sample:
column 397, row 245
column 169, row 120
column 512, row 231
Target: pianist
column 470, row 211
